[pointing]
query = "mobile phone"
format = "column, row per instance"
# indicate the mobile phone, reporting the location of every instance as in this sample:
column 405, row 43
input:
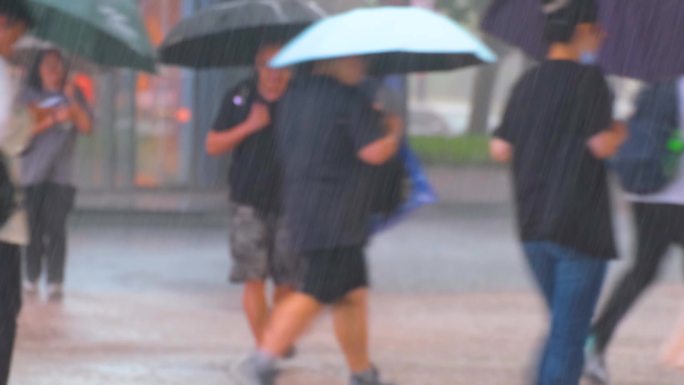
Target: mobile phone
column 51, row 102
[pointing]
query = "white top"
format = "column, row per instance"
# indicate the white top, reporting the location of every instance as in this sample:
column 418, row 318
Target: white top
column 674, row 192
column 15, row 128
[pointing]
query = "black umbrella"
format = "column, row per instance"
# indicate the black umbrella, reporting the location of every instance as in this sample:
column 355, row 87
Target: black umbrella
column 230, row 33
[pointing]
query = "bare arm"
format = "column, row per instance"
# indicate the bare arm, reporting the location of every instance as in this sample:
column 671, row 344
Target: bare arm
column 81, row 119
column 219, row 143
column 605, row 144
column 44, row 120
column 383, row 149
column 500, row 150
column 77, row 113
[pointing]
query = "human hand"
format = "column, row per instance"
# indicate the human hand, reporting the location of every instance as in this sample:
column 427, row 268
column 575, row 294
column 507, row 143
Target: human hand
column 39, row 114
column 621, row 131
column 259, row 116
column 607, row 143
column 394, row 124
column 63, row 115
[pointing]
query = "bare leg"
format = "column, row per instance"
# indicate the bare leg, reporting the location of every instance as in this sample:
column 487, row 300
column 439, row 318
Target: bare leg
column 281, row 292
column 256, row 308
column 288, row 321
column 279, row 295
column 351, row 328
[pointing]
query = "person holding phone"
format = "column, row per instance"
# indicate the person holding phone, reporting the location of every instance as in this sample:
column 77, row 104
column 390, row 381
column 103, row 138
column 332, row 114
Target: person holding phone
column 47, row 166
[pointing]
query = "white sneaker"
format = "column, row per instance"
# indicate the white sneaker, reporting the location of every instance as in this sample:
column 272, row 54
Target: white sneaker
column 55, row 291
column 30, row 288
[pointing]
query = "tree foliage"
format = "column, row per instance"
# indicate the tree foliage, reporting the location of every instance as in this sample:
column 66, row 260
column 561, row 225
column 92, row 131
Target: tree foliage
column 465, row 11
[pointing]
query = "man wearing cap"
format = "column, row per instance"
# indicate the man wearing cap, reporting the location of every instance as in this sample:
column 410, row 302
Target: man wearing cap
column 14, row 20
column 556, row 133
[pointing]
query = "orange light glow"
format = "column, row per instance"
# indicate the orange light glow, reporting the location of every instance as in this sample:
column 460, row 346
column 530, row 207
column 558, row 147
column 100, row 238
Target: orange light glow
column 183, row 115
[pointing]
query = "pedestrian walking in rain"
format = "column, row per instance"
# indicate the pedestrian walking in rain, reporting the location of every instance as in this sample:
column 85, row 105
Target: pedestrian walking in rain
column 556, row 132
column 14, row 20
column 259, row 242
column 655, row 186
column 47, row 166
column 329, row 136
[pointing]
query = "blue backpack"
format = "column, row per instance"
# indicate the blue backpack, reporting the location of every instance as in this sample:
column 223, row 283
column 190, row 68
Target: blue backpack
column 648, row 160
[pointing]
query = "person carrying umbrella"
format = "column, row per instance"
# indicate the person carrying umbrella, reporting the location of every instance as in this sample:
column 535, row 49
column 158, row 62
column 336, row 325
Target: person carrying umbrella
column 258, row 238
column 14, row 21
column 331, row 141
column 245, row 33
column 332, row 213
column 556, row 133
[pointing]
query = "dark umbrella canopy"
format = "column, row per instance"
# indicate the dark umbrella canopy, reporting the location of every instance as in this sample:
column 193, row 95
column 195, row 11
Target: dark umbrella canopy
column 105, row 32
column 644, row 38
column 519, row 23
column 26, row 52
column 230, row 33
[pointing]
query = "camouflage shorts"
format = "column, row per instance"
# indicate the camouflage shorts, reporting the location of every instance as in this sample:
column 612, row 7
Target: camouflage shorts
column 261, row 248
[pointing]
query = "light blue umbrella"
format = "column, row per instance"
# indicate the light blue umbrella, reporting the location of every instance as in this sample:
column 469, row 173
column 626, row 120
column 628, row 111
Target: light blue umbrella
column 394, row 39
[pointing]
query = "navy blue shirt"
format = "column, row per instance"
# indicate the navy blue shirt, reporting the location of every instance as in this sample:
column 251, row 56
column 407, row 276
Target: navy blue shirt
column 322, row 126
column 561, row 189
column 254, row 175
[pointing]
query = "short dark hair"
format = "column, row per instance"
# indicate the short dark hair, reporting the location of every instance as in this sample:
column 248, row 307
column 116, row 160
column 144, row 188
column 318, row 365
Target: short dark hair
column 16, row 10
column 561, row 23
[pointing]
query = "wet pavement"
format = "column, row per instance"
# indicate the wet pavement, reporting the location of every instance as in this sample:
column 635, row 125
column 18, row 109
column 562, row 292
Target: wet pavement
column 148, row 303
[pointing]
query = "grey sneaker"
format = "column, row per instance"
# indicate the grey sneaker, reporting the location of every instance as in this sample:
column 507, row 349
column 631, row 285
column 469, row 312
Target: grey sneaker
column 370, row 377
column 31, row 288
column 595, row 370
column 248, row 372
column 55, row 292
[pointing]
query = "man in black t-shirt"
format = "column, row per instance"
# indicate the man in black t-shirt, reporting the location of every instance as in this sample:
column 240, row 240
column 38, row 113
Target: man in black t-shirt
column 259, row 241
column 557, row 130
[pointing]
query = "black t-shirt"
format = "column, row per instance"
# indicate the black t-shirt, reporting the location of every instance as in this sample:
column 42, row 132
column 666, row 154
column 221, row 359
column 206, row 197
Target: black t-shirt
column 254, row 175
column 561, row 189
column 327, row 197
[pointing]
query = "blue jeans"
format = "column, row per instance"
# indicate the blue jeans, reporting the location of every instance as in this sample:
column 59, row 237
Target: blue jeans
column 571, row 284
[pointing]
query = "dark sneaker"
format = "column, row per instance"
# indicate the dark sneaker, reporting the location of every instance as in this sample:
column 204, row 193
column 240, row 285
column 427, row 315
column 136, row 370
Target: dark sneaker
column 248, row 372
column 371, row 377
column 291, row 353
column 595, row 370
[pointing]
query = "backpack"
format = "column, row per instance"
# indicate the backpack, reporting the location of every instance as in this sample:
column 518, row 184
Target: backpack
column 410, row 190
column 647, row 162
column 7, row 192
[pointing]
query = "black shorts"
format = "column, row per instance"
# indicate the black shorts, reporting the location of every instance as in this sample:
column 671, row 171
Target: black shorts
column 331, row 274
